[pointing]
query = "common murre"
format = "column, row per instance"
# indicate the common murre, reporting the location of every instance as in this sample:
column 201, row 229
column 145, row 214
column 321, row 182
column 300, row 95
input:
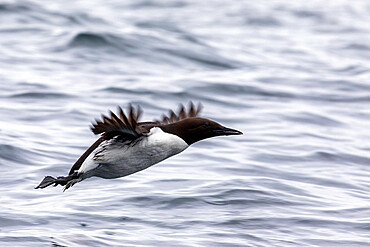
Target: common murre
column 127, row 146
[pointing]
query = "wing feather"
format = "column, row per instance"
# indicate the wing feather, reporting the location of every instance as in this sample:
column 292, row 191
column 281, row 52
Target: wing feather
column 193, row 111
column 122, row 126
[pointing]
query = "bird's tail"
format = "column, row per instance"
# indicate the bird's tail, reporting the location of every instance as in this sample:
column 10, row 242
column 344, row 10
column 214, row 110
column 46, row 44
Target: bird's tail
column 68, row 181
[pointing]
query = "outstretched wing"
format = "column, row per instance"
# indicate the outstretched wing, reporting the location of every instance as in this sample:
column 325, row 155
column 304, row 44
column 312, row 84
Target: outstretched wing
column 109, row 127
column 123, row 126
column 182, row 113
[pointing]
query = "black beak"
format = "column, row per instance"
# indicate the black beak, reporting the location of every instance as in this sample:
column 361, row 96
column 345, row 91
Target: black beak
column 227, row 131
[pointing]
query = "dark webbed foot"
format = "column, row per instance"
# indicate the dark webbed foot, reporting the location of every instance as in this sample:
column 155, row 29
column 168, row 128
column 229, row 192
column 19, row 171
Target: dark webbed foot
column 49, row 180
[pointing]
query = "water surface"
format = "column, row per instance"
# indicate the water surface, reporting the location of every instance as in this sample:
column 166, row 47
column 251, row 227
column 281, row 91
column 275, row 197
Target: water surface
column 293, row 76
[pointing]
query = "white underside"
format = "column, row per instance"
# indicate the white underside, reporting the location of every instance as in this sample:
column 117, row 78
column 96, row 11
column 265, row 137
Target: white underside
column 113, row 159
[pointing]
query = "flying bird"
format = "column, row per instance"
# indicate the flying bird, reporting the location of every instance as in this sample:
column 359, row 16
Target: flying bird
column 126, row 146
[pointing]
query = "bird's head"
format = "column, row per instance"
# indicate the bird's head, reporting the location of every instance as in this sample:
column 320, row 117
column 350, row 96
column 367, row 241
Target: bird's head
column 195, row 129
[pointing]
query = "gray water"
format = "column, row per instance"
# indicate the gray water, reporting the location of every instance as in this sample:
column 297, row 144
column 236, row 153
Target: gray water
column 292, row 75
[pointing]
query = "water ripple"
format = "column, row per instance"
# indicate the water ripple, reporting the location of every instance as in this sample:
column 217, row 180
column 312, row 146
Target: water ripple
column 292, row 76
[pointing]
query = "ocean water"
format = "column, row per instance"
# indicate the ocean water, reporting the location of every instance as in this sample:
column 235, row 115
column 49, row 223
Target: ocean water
column 292, row 75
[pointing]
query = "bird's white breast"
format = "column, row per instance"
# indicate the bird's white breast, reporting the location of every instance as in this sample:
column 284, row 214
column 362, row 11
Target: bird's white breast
column 114, row 159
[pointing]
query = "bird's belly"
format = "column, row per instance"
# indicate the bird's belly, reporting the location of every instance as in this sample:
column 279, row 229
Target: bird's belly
column 129, row 164
column 122, row 160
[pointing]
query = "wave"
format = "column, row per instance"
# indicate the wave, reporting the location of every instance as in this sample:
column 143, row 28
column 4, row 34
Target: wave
column 86, row 39
column 41, row 95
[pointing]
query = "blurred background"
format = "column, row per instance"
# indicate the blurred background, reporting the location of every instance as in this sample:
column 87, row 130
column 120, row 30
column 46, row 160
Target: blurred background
column 292, row 75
